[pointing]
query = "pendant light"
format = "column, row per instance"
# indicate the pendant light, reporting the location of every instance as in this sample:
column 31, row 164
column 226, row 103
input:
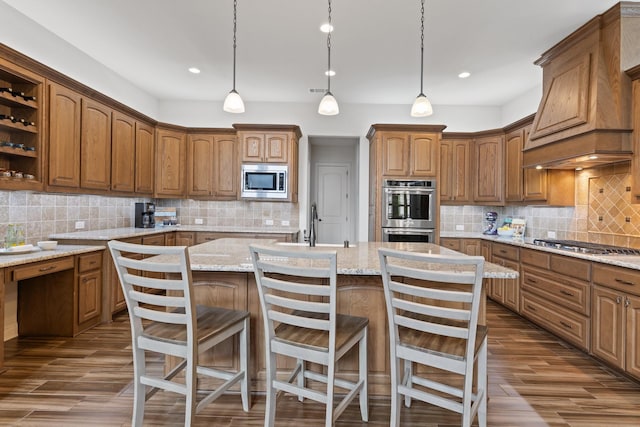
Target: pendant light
column 233, row 103
column 421, row 106
column 328, row 105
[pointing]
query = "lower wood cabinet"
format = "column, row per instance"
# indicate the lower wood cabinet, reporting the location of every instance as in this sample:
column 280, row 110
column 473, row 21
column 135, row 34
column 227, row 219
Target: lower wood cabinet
column 505, row 291
column 556, row 295
column 89, row 268
column 616, row 317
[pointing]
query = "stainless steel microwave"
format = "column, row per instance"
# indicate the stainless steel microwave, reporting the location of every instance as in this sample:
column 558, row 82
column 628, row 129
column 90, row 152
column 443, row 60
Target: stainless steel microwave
column 264, row 181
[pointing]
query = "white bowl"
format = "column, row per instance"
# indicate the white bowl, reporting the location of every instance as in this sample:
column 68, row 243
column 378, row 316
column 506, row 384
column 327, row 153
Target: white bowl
column 508, row 232
column 48, row 245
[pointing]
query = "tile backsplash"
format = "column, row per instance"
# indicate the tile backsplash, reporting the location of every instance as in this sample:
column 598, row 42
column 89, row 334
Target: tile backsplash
column 43, row 214
column 602, row 213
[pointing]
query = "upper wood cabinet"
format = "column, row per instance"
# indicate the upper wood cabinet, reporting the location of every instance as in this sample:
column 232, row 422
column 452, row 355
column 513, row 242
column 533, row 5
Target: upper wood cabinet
column 265, row 147
column 455, row 170
column 635, row 159
column 22, row 148
column 270, row 144
column 171, row 156
column 488, row 184
column 213, row 166
column 132, row 159
column 64, row 136
column 407, row 154
column 123, row 152
column 95, row 145
column 554, row 187
column 145, row 158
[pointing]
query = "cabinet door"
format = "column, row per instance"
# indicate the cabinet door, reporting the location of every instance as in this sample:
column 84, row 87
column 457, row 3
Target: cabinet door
column 424, row 155
column 171, row 155
column 513, row 162
column 276, row 148
column 607, row 323
column 64, row 136
column 471, row 246
column 535, row 184
column 488, row 183
column 632, row 306
column 445, row 176
column 89, row 296
column 511, row 288
column 252, row 147
column 123, row 152
column 200, row 165
column 225, row 171
column 395, row 154
column 95, row 146
column 185, row 238
column 461, row 170
column 145, row 158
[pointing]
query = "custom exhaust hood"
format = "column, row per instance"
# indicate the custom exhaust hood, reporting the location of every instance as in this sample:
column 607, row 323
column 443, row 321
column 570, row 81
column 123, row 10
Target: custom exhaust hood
column 584, row 117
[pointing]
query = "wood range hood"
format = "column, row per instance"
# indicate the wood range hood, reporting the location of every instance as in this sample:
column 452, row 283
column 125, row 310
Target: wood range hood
column 584, row 117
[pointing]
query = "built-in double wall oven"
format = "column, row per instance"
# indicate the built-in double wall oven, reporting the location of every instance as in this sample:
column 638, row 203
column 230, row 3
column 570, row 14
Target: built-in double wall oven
column 409, row 210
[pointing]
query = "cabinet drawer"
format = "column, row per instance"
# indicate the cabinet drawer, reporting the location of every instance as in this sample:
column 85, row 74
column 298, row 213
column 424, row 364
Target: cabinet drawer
column 153, row 240
column 89, row 262
column 563, row 291
column 567, row 324
column 578, row 268
column 41, row 268
column 204, row 237
column 505, row 251
column 450, row 243
column 623, row 279
column 537, row 258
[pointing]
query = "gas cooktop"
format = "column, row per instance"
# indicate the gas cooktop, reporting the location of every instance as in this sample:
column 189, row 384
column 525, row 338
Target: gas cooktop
column 585, row 247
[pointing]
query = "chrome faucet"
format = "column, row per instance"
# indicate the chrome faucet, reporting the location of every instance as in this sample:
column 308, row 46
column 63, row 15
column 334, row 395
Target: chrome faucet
column 312, row 225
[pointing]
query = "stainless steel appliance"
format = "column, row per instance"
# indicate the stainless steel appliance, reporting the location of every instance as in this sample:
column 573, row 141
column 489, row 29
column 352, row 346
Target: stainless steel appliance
column 408, row 210
column 585, row 247
column 264, row 181
column 145, row 215
column 408, row 235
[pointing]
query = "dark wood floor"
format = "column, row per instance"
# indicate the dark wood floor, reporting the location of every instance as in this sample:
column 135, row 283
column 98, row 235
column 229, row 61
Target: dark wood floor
column 535, row 380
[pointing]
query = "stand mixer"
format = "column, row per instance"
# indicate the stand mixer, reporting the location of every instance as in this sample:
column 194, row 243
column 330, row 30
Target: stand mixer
column 490, row 223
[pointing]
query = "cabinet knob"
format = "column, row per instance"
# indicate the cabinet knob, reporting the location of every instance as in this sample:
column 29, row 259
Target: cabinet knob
column 627, row 302
column 618, row 299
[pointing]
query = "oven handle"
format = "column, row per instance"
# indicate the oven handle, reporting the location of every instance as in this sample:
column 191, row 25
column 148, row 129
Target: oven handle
column 401, row 231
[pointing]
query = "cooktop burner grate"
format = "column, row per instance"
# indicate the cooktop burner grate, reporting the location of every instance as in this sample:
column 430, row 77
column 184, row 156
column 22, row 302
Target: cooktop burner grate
column 586, row 247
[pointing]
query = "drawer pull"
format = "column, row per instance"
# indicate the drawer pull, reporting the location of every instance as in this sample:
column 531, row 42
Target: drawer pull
column 502, row 251
column 50, row 267
column 624, row 282
column 529, row 280
column 565, row 324
column 567, row 293
column 93, row 262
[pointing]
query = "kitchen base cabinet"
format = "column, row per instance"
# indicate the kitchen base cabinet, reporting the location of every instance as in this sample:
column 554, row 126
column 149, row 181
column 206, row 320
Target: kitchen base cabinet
column 504, row 291
column 59, row 297
column 556, row 295
column 616, row 318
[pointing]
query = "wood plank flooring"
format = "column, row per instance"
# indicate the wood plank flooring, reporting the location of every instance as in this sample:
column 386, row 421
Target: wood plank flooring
column 535, row 380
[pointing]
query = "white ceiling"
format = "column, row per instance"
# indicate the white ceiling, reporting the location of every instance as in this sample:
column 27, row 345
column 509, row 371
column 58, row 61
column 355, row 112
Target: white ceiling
column 281, row 53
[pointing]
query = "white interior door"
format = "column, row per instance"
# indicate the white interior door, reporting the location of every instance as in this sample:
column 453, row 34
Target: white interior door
column 333, row 203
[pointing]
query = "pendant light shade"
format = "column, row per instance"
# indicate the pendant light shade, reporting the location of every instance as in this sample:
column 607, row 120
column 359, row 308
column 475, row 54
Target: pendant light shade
column 233, row 103
column 328, row 105
column 421, row 106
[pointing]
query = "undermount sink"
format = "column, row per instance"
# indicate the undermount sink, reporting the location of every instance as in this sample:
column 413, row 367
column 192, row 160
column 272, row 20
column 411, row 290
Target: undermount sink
column 318, row 245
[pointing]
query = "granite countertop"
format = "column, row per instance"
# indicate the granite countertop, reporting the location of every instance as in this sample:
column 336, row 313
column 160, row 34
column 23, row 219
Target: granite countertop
column 627, row 261
column 39, row 255
column 361, row 258
column 126, row 232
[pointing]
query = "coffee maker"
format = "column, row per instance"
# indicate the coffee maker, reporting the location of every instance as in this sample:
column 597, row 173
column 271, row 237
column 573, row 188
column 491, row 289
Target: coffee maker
column 145, row 215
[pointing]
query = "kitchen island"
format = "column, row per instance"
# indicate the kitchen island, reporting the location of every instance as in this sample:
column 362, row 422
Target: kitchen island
column 223, row 276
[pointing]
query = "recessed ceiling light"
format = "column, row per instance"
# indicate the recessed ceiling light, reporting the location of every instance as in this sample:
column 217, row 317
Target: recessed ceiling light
column 326, row 28
column 194, row 70
column 330, row 73
column 464, row 74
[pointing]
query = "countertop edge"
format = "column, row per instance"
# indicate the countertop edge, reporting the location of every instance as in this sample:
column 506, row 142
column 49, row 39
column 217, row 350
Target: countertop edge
column 36, row 256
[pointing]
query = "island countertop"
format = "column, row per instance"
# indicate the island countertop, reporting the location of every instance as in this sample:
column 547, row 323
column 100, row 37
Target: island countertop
column 361, row 258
